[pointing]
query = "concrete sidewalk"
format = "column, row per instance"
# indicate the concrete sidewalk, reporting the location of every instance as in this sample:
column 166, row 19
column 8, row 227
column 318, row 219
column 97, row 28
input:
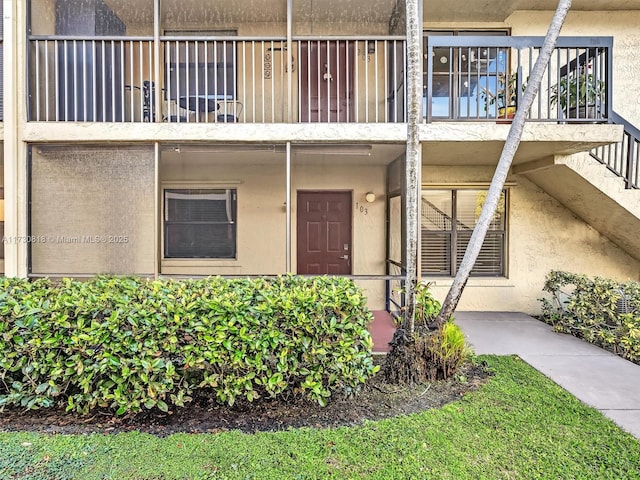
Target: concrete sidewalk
column 598, row 378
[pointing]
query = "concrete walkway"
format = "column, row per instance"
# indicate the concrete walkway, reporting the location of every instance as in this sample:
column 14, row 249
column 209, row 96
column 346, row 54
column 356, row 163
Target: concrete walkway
column 598, row 378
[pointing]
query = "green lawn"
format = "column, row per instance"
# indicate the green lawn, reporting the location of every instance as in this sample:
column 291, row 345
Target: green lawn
column 519, row 425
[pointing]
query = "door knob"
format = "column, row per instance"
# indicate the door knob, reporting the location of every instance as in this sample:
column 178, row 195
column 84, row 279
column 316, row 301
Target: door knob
column 344, row 257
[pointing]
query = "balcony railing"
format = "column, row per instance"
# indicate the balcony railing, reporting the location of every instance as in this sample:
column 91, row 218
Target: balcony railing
column 623, row 157
column 329, row 79
column 217, row 80
column 483, row 78
column 86, row 79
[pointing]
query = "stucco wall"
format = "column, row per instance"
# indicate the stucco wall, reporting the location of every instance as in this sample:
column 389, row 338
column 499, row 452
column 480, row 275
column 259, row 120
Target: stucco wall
column 542, row 235
column 261, row 211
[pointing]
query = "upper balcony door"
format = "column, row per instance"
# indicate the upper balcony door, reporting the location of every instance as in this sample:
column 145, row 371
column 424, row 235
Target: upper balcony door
column 460, row 76
column 326, row 81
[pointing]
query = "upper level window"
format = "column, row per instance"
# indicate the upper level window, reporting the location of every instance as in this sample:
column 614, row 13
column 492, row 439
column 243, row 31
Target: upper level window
column 200, row 223
column 448, row 219
column 461, row 74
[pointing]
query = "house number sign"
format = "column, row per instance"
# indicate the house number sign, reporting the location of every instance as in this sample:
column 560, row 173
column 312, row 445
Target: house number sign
column 268, row 65
column 362, row 209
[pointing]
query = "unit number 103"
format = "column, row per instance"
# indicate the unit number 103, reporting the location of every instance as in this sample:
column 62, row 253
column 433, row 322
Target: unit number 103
column 362, row 209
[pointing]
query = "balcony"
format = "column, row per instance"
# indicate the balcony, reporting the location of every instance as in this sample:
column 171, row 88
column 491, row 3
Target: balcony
column 336, row 79
column 217, row 80
column 469, row 78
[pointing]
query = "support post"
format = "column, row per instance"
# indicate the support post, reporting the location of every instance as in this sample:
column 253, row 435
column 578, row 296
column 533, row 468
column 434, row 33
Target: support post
column 289, row 57
column 15, row 151
column 288, row 209
column 157, row 211
column 157, row 80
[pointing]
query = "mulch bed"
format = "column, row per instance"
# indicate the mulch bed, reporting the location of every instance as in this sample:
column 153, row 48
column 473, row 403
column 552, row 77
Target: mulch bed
column 376, row 401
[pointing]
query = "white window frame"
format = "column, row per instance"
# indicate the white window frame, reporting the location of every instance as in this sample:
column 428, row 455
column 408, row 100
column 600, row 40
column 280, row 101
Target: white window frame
column 177, row 261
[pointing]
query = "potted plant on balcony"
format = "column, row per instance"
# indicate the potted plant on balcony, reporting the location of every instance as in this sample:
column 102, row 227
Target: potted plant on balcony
column 579, row 94
column 506, row 96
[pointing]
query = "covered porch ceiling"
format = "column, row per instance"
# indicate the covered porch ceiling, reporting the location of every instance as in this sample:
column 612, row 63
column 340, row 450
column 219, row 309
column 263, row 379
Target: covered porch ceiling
column 217, row 12
column 343, row 11
column 360, row 154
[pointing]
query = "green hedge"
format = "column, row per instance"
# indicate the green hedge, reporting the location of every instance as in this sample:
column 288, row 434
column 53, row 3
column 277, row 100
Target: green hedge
column 599, row 310
column 126, row 343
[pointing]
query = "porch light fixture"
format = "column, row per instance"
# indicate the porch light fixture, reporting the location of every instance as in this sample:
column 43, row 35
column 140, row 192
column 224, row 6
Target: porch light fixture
column 370, row 197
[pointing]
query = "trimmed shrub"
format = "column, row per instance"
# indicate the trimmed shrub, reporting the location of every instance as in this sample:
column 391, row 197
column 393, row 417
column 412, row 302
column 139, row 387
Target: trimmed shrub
column 598, row 310
column 127, row 344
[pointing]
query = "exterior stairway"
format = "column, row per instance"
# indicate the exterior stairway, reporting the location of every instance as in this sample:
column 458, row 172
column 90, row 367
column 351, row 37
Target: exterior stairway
column 600, row 186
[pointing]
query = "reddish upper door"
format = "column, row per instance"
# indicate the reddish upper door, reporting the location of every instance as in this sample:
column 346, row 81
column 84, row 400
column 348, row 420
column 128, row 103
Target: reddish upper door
column 326, row 81
column 324, row 233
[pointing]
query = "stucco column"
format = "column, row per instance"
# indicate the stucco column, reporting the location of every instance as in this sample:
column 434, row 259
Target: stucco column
column 15, row 151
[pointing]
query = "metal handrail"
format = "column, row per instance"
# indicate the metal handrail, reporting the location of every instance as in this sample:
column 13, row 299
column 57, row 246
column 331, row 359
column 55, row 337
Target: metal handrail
column 477, row 72
column 389, row 300
column 622, row 157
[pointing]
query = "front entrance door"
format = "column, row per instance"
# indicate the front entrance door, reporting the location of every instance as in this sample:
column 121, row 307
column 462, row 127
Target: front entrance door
column 324, row 232
column 326, row 73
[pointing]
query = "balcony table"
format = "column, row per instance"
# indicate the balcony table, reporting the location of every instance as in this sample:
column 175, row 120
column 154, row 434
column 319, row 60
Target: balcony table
column 203, row 103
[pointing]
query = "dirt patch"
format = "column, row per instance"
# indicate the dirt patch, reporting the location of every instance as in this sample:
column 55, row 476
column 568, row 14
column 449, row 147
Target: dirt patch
column 377, row 400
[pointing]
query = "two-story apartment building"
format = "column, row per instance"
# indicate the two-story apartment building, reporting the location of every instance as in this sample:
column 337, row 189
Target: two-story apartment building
column 208, row 137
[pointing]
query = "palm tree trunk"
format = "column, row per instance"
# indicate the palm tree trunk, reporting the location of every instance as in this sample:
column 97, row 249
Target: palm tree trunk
column 504, row 164
column 413, row 158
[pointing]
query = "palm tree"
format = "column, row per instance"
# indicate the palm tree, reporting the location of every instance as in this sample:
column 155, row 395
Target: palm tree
column 502, row 170
column 406, row 361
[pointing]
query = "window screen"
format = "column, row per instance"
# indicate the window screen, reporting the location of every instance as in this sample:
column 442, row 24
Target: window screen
column 92, row 209
column 448, row 220
column 200, row 223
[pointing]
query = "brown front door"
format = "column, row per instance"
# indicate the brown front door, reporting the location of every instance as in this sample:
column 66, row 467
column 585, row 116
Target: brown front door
column 326, row 81
column 324, row 233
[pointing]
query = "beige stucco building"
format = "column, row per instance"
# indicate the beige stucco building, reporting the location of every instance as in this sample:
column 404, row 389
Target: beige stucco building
column 206, row 137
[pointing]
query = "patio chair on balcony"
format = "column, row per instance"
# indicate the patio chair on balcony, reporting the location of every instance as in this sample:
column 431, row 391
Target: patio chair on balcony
column 174, row 113
column 196, row 90
column 229, row 111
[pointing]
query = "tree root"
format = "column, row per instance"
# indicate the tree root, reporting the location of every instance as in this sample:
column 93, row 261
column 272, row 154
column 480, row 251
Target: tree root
column 409, row 361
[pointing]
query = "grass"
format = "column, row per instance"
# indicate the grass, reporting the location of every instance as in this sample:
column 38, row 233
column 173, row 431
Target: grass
column 519, row 425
